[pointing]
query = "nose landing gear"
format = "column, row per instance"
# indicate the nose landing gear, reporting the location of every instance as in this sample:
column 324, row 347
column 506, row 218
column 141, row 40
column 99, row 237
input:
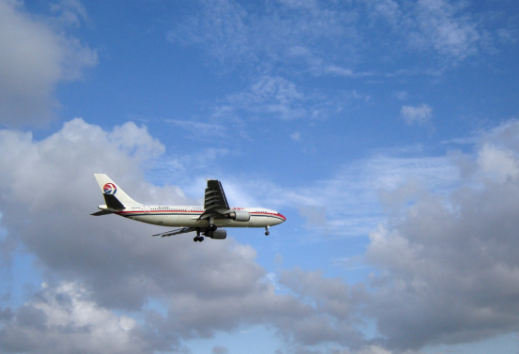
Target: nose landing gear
column 267, row 232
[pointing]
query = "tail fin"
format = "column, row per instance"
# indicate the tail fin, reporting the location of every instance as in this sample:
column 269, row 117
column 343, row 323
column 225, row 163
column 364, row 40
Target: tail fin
column 114, row 196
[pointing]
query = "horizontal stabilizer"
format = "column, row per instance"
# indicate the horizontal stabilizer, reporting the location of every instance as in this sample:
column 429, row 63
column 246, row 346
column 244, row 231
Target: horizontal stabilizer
column 102, row 212
column 178, row 231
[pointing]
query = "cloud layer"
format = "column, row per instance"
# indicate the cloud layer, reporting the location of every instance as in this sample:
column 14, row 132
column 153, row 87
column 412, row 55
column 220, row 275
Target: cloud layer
column 444, row 268
column 299, row 34
column 105, row 264
column 446, row 258
column 448, row 262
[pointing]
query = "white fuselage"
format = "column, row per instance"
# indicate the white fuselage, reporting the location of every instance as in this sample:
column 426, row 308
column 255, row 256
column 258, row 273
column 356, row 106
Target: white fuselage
column 189, row 216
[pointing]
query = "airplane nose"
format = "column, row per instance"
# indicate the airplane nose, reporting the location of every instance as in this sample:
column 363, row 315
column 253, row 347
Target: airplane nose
column 283, row 218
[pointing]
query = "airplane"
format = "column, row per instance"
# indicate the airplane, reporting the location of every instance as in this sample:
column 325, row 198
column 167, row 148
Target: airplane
column 208, row 220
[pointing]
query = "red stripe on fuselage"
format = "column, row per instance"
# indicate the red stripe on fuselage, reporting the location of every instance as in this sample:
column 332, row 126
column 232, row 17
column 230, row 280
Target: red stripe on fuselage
column 190, row 212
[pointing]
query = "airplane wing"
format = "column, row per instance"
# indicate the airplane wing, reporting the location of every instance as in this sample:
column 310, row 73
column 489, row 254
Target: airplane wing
column 182, row 230
column 215, row 203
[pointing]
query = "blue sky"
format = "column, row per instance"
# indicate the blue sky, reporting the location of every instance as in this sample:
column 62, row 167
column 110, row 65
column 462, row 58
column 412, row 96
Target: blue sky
column 385, row 131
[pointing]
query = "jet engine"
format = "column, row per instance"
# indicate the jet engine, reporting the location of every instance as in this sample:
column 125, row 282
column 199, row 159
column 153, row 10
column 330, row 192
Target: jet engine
column 219, row 234
column 239, row 215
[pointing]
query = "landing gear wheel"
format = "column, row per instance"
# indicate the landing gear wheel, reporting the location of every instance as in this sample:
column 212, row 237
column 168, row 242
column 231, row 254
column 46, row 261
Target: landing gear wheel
column 198, row 239
column 267, row 232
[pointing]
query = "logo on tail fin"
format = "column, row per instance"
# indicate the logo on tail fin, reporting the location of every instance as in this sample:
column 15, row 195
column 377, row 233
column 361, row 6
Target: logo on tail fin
column 109, row 188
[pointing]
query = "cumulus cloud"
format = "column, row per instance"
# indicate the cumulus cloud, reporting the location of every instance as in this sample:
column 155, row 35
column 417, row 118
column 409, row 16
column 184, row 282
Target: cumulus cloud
column 220, row 350
column 445, row 256
column 35, row 58
column 374, row 349
column 103, row 264
column 62, row 319
column 496, row 163
column 337, row 305
column 353, row 199
column 448, row 264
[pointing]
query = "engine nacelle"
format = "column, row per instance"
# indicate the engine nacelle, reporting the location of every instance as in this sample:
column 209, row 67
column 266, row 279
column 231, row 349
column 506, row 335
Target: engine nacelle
column 239, row 215
column 219, row 234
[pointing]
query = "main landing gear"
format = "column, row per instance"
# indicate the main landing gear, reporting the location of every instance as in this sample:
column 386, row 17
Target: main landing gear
column 198, row 238
column 208, row 232
column 267, row 232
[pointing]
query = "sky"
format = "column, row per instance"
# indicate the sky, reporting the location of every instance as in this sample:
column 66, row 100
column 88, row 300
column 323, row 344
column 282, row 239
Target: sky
column 386, row 131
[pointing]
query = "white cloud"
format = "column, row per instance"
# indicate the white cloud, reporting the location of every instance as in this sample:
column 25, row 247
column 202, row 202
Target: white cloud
column 448, row 262
column 277, row 97
column 222, row 26
column 70, row 12
column 451, row 246
column 349, row 202
column 35, row 58
column 498, row 164
column 388, row 9
column 47, row 192
column 274, row 96
column 440, row 27
column 402, row 95
column 445, row 257
column 374, row 349
column 298, row 33
column 200, row 130
column 63, row 319
column 179, row 168
column 220, row 349
column 416, row 114
column 295, row 136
